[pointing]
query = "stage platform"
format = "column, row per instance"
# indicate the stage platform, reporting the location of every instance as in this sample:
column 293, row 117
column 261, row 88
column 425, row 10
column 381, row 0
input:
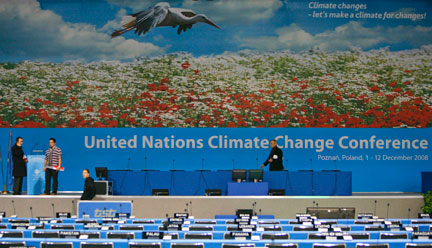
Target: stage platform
column 384, row 205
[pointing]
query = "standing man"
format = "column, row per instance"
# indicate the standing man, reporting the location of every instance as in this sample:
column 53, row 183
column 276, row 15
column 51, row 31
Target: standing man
column 19, row 166
column 275, row 157
column 52, row 164
column 89, row 186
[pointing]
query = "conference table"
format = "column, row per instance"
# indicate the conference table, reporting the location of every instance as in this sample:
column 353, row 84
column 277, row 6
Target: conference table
column 194, row 183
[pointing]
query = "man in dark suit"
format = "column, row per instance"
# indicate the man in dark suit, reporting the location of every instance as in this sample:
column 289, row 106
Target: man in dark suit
column 19, row 166
column 89, row 186
column 275, row 157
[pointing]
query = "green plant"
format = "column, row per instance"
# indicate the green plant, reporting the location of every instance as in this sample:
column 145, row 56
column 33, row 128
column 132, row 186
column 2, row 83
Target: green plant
column 427, row 208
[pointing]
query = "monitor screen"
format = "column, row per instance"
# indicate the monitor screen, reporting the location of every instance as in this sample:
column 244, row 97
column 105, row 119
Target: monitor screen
column 11, row 244
column 239, row 175
column 213, row 192
column 120, row 235
column 144, row 245
column 56, row 245
column 256, row 175
column 96, row 245
column 101, row 172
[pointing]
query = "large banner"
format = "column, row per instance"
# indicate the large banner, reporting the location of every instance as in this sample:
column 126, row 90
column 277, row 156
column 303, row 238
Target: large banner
column 380, row 159
column 226, row 63
column 341, row 84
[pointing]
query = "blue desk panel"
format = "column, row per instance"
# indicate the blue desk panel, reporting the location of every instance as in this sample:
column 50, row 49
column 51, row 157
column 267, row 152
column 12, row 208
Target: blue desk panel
column 247, row 188
column 196, row 182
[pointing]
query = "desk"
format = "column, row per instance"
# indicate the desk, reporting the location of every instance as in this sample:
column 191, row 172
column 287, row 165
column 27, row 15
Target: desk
column 247, row 188
column 196, row 182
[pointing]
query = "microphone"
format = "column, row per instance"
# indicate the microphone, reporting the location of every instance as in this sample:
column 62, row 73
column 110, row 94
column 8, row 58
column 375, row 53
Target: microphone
column 335, row 165
column 31, row 211
column 187, row 207
column 33, row 149
column 253, row 208
column 259, row 211
column 173, row 165
column 128, row 164
column 375, row 202
column 310, row 160
column 73, row 206
column 190, row 203
column 52, row 205
column 13, row 205
column 257, row 163
column 145, row 163
column 388, row 209
column 202, row 164
column 233, row 164
column 409, row 213
column 317, row 204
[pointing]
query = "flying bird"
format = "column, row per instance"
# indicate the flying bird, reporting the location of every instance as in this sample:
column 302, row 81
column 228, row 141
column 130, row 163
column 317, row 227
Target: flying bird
column 161, row 15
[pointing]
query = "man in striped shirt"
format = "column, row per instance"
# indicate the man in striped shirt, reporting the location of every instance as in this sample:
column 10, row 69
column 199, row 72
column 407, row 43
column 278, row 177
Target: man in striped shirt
column 52, row 164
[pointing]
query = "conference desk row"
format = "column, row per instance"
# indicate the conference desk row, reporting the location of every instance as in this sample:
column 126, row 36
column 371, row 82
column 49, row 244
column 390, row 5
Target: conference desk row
column 216, row 228
column 306, row 183
column 121, row 243
column 215, row 235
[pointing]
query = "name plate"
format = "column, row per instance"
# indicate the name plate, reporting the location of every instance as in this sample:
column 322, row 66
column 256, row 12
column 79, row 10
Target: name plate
column 178, row 221
column 176, row 227
column 20, row 226
column 181, row 215
column 298, row 215
column 393, row 227
column 240, row 235
column 365, row 216
column 422, row 235
column 331, row 238
column 347, row 237
column 92, row 226
column 110, row 220
column 69, row 234
column 63, row 215
column 245, row 216
column 122, row 215
column 242, row 221
column 424, row 216
column 247, row 228
column 153, row 235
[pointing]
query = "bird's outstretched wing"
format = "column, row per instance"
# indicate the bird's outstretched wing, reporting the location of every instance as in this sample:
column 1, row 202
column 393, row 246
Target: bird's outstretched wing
column 150, row 18
column 183, row 28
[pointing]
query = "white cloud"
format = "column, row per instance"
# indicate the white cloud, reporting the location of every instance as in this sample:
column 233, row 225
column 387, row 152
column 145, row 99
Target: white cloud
column 235, row 11
column 31, row 32
column 346, row 36
column 114, row 24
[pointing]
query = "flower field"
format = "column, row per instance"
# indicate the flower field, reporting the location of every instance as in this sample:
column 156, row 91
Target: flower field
column 378, row 88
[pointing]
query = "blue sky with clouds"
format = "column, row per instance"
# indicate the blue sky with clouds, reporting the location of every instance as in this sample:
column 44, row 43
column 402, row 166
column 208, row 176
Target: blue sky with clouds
column 62, row 30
